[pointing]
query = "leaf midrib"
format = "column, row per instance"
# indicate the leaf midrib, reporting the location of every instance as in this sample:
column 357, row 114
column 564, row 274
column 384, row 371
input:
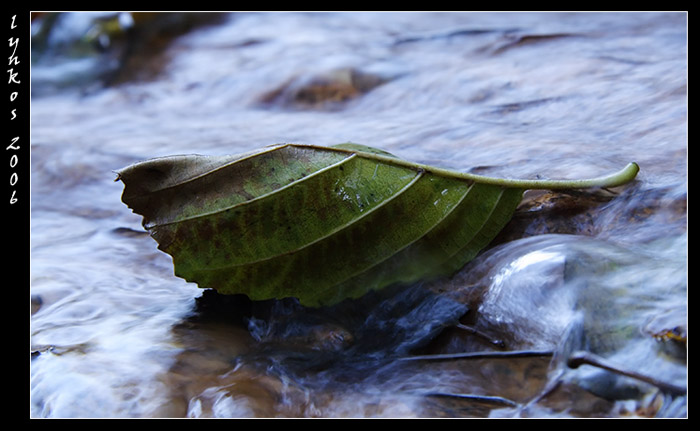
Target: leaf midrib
column 258, row 198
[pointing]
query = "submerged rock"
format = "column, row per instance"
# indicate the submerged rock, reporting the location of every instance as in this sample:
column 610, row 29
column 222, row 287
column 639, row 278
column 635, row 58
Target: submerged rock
column 570, row 294
column 327, row 90
column 87, row 51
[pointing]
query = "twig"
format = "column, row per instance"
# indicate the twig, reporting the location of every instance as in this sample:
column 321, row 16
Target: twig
column 480, row 355
column 474, row 331
column 584, row 358
column 478, row 398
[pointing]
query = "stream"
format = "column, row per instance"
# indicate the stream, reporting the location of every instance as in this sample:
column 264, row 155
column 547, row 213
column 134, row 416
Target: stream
column 114, row 334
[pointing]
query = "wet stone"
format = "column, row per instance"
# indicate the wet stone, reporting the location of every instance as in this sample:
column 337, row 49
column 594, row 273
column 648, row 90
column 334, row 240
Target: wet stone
column 546, row 212
column 36, row 303
column 328, row 90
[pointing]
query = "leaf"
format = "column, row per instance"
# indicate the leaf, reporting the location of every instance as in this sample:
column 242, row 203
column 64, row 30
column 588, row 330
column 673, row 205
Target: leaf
column 320, row 224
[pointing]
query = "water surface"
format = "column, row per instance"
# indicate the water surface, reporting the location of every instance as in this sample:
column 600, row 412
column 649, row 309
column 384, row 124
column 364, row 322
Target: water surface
column 568, row 95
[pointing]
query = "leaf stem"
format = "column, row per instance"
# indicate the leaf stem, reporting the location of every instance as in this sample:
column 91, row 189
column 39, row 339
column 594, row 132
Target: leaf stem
column 624, row 176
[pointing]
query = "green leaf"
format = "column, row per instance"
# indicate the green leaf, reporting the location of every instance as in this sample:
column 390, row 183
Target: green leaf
column 321, row 224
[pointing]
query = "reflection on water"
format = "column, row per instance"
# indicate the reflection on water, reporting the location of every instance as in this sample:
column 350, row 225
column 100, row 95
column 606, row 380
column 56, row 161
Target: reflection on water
column 115, row 334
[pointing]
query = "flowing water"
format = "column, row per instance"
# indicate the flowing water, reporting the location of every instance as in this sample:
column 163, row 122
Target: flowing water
column 560, row 95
